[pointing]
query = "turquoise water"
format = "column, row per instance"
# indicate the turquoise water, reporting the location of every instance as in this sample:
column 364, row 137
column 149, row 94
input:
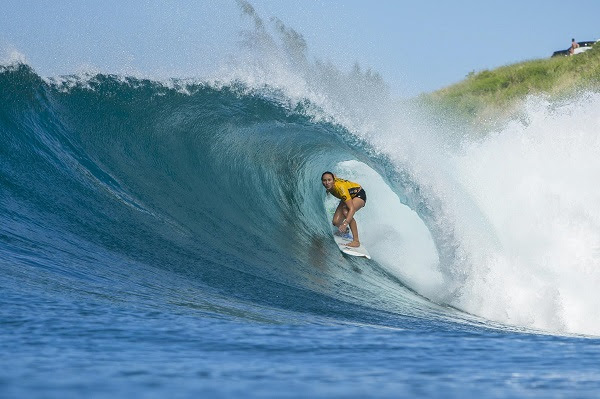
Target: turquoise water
column 173, row 241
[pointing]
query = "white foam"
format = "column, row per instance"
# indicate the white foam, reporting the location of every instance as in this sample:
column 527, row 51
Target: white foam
column 537, row 184
column 9, row 55
column 520, row 212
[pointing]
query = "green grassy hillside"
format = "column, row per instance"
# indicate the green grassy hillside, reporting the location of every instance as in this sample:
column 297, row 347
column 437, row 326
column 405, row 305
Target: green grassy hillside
column 487, row 95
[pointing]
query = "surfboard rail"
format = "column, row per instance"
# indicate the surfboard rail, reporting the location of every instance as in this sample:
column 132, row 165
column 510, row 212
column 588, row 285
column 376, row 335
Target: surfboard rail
column 342, row 240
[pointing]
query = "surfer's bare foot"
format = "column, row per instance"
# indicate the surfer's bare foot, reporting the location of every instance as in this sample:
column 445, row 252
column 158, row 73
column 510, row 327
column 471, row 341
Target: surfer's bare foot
column 353, row 244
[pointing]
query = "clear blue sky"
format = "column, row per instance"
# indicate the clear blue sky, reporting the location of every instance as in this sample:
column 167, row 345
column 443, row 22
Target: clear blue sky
column 416, row 46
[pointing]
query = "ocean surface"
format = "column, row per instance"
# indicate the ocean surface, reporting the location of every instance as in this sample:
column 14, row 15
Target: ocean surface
column 172, row 239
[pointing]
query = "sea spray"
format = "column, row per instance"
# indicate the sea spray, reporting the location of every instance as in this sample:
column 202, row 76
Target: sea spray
column 535, row 181
column 512, row 214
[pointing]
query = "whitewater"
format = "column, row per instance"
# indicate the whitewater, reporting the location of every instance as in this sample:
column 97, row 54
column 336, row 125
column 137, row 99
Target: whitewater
column 171, row 237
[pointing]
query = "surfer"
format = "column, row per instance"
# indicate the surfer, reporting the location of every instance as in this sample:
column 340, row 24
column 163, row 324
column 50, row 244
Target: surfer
column 352, row 198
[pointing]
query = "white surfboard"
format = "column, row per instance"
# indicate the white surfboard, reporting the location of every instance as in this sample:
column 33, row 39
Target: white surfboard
column 341, row 241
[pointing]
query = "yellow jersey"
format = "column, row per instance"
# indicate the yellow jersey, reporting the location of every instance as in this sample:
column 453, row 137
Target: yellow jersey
column 344, row 189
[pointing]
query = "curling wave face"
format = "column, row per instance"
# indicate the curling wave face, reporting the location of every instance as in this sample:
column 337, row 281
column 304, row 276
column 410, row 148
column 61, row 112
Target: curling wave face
column 109, row 181
column 106, row 174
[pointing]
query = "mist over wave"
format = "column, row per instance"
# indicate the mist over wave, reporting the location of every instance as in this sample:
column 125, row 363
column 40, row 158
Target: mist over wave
column 513, row 215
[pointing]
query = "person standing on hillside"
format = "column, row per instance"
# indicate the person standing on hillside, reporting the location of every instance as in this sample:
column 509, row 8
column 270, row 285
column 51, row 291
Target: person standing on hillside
column 574, row 45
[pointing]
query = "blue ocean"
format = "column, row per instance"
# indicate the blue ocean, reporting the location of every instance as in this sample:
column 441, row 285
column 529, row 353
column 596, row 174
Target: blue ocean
column 172, row 239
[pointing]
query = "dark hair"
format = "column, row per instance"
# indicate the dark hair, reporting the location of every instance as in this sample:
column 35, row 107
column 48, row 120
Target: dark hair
column 327, row 173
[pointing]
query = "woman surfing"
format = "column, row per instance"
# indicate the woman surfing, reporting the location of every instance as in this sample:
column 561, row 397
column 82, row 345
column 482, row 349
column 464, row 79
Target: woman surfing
column 352, row 198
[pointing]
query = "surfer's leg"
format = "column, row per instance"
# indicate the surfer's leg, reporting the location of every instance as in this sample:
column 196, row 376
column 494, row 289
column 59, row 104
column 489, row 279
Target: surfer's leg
column 358, row 203
column 340, row 214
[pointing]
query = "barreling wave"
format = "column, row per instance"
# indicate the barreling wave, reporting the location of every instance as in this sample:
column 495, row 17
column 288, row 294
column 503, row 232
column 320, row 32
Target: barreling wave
column 218, row 184
column 116, row 184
